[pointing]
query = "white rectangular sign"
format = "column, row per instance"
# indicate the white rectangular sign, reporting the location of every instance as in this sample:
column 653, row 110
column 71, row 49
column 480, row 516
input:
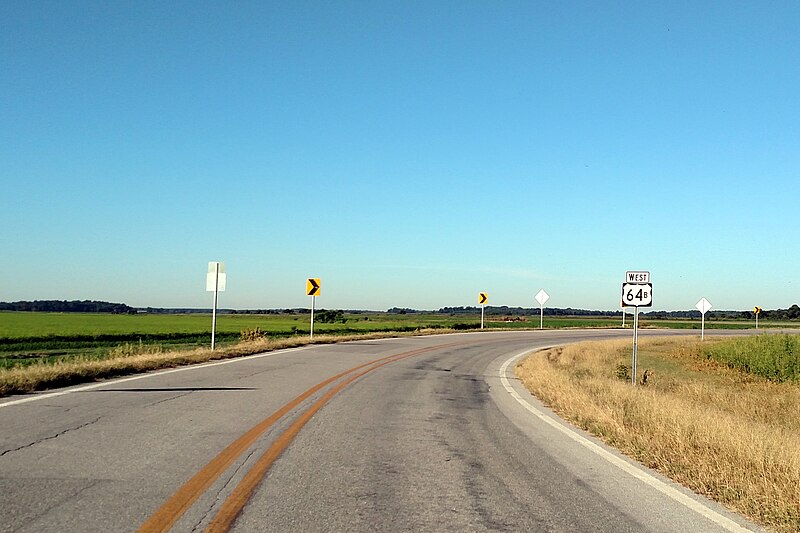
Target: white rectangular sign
column 210, row 282
column 637, row 276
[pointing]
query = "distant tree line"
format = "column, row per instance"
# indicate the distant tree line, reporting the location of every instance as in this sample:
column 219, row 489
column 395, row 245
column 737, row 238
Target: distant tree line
column 63, row 306
column 523, row 311
column 94, row 306
column 792, row 313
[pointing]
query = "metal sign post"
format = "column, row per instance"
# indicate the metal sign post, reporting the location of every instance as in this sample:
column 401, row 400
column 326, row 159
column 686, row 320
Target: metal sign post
column 635, row 343
column 313, row 288
column 703, row 306
column 542, row 297
column 623, row 318
column 313, row 303
column 214, row 309
column 637, row 291
column 483, row 297
column 215, row 282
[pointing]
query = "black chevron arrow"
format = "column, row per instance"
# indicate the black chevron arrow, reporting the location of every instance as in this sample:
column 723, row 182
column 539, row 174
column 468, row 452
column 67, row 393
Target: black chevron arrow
column 314, row 289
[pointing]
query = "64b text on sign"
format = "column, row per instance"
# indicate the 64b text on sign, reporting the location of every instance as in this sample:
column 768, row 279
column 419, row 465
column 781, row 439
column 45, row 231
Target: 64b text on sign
column 637, row 295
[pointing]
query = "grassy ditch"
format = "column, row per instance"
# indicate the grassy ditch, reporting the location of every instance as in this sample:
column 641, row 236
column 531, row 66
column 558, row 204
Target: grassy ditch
column 723, row 432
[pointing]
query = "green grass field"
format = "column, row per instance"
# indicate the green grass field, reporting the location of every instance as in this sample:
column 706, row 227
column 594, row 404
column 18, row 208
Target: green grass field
column 775, row 357
column 27, row 338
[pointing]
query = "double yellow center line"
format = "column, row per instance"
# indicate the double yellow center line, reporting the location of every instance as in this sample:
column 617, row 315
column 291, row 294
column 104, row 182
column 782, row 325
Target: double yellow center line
column 184, row 497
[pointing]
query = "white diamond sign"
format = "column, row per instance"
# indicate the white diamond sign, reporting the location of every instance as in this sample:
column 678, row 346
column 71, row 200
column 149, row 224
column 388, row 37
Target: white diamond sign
column 542, row 297
column 703, row 306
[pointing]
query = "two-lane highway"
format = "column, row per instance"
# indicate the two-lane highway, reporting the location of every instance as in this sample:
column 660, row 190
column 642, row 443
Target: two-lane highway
column 423, row 433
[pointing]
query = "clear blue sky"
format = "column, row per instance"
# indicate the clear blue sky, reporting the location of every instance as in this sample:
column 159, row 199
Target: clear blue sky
column 407, row 153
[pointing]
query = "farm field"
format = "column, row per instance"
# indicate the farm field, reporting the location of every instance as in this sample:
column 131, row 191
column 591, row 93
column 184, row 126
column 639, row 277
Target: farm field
column 14, row 325
column 28, row 337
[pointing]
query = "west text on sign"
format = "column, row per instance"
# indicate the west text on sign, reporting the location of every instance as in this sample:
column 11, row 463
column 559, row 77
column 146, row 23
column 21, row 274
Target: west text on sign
column 637, row 276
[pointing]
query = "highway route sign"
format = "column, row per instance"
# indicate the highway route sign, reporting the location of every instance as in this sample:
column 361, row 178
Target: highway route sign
column 637, row 295
column 313, row 287
column 483, row 297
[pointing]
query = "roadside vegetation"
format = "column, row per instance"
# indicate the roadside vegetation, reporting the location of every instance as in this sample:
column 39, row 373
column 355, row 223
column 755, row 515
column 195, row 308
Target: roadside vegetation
column 31, row 338
column 85, row 346
column 719, row 417
column 775, row 357
column 135, row 358
column 47, row 338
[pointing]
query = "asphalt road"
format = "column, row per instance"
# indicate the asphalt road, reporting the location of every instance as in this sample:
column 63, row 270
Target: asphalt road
column 438, row 437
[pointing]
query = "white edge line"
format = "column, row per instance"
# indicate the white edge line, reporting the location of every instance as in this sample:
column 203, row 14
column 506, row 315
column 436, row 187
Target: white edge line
column 106, row 383
column 639, row 474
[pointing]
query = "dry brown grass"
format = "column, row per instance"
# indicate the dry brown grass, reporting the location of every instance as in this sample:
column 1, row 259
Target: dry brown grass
column 728, row 435
column 136, row 358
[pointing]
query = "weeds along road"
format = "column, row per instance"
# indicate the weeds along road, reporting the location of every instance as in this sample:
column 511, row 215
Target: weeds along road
column 412, row 434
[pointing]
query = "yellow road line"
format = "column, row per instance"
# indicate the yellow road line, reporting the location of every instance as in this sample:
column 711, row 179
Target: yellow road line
column 169, row 513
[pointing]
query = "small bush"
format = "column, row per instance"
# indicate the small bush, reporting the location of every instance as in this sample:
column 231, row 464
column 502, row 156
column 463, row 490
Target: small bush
column 623, row 372
column 132, row 349
column 460, row 326
column 252, row 334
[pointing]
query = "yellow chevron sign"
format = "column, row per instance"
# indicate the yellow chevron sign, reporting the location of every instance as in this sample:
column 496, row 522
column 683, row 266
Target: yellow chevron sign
column 483, row 297
column 313, row 286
